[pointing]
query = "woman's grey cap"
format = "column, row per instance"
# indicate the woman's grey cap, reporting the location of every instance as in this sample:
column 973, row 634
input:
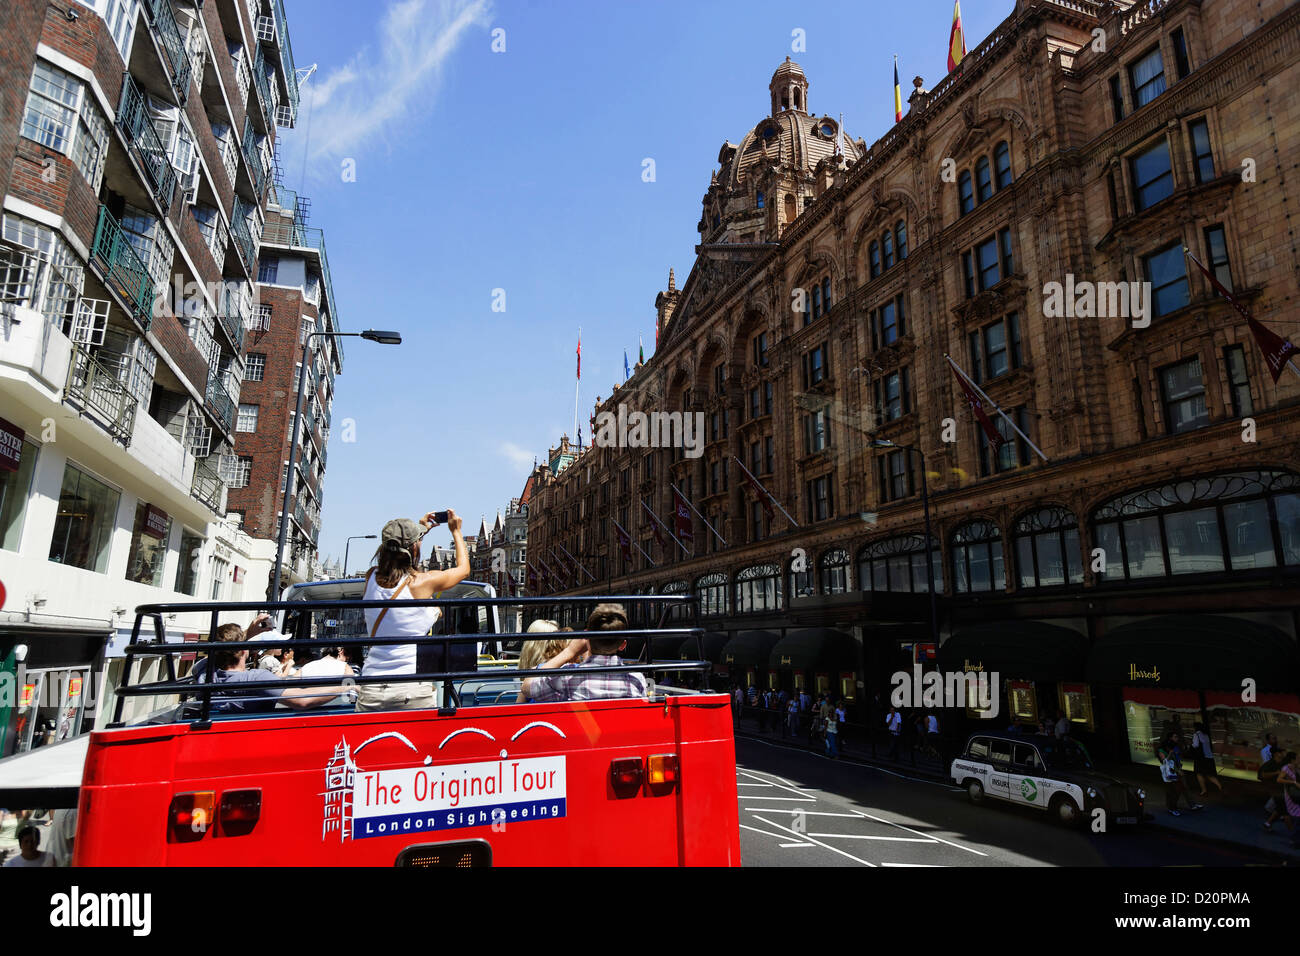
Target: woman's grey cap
column 402, row 530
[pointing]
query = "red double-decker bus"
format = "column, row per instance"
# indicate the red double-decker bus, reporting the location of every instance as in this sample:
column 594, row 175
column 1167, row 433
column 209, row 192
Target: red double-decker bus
column 481, row 780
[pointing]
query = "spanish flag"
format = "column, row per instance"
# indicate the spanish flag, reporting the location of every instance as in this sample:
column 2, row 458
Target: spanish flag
column 956, row 39
column 898, row 95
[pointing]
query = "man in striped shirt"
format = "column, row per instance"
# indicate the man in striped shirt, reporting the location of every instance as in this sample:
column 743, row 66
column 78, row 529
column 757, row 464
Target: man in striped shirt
column 572, row 683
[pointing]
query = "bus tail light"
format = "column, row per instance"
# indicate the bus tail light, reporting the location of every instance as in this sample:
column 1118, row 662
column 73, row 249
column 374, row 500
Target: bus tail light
column 662, row 774
column 625, row 776
column 240, row 811
column 190, row 816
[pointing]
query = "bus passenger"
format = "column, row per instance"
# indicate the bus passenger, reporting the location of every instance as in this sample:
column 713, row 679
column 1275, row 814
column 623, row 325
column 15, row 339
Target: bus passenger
column 536, row 651
column 573, row 684
column 396, row 578
column 232, row 668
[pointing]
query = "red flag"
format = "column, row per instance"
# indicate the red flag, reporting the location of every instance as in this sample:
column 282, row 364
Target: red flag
column 764, row 498
column 579, row 355
column 683, row 517
column 977, row 406
column 654, row 525
column 1277, row 350
column 956, row 39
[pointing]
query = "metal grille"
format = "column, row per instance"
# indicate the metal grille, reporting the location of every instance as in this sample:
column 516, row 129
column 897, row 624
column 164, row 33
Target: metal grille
column 96, row 391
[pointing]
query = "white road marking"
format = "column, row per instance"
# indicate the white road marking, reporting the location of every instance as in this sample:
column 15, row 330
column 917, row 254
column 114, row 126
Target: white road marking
column 774, row 836
column 864, row 766
column 797, row 791
column 755, row 784
column 786, row 846
column 806, row 813
column 919, row 833
column 788, row 799
column 913, row 864
column 863, row 836
column 826, row 846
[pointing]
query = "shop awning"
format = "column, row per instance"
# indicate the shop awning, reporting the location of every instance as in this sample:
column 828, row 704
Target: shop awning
column 749, row 648
column 1196, row 652
column 816, row 649
column 712, row 643
column 55, row 645
column 1017, row 650
column 46, row 777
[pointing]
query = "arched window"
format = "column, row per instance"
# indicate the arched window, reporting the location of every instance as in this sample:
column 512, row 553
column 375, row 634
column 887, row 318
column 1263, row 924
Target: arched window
column 873, row 256
column 1047, row 548
column 712, row 591
column 887, row 244
column 826, row 294
column 900, row 237
column 758, row 589
column 965, row 193
column 983, row 179
column 760, row 199
column 1002, row 164
column 899, row 564
column 977, row 558
column 834, row 567
column 816, row 302
column 801, row 582
column 1236, row 521
column 676, row 612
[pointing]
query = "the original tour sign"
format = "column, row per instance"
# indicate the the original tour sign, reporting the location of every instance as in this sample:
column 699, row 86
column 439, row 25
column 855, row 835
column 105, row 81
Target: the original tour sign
column 371, row 803
column 11, row 446
column 155, row 522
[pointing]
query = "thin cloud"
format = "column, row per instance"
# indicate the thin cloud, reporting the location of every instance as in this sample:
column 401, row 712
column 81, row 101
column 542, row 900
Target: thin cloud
column 360, row 103
column 516, row 455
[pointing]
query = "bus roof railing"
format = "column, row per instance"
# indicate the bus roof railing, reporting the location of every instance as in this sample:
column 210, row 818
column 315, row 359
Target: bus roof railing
column 208, row 687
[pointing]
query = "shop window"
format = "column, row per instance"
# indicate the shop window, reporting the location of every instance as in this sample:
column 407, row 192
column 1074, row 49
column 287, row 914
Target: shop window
column 1237, row 521
column 1075, row 701
column 977, row 563
column 712, row 591
column 1047, row 549
column 187, row 564
column 834, row 569
column 148, row 547
column 15, row 489
column 86, row 518
column 758, row 589
column 899, row 564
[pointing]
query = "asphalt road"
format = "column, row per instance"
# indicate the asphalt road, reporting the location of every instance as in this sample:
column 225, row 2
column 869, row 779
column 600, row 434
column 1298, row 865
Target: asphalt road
column 798, row 808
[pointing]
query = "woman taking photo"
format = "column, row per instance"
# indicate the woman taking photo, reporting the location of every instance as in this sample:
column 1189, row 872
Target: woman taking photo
column 396, row 578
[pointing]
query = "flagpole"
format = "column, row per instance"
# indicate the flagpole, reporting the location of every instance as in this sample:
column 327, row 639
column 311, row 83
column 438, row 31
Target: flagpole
column 957, row 368
column 577, row 384
column 1241, row 310
column 632, row 542
column 576, row 561
column 690, row 504
column 662, row 525
column 764, row 490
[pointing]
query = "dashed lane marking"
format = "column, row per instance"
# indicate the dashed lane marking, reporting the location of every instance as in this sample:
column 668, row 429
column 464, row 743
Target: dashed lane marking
column 826, row 846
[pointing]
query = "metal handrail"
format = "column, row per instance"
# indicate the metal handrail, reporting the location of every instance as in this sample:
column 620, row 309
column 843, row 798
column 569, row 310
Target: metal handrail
column 162, row 21
column 98, row 389
column 125, row 272
column 205, row 689
column 134, row 120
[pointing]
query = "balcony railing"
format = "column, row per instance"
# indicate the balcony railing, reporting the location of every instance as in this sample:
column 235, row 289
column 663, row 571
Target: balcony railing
column 162, row 21
column 219, row 400
column 253, row 159
column 268, row 97
column 207, row 485
column 244, row 241
column 134, row 121
column 236, row 310
column 96, row 390
column 124, row 271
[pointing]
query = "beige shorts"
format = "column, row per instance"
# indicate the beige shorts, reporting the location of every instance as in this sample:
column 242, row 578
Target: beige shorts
column 408, row 695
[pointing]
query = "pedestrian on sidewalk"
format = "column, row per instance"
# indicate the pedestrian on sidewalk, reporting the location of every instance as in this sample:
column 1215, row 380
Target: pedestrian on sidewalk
column 1171, row 772
column 894, row 723
column 792, row 717
column 1203, row 760
column 932, row 733
column 763, row 700
column 1270, row 744
column 832, row 736
column 840, row 717
column 1275, row 807
column 1291, row 793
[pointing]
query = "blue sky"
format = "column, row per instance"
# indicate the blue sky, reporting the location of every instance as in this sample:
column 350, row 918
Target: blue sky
column 522, row 170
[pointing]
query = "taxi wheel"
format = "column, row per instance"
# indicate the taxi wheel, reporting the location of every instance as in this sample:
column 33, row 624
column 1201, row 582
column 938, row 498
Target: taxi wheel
column 975, row 791
column 1066, row 811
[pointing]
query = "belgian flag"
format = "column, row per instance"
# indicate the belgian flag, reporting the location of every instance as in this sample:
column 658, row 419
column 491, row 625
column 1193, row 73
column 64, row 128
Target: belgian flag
column 898, row 95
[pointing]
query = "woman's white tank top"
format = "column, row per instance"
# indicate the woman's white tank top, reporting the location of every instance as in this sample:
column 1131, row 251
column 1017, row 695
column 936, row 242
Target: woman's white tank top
column 402, row 620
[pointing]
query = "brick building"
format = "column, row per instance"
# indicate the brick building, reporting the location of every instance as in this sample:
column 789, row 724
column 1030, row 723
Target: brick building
column 295, row 300
column 136, row 145
column 1145, row 572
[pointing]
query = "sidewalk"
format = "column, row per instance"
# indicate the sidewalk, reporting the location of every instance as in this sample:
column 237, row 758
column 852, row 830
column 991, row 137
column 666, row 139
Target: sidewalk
column 1236, row 818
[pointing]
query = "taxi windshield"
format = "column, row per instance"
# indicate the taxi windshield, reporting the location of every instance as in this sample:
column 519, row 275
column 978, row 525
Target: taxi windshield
column 1066, row 755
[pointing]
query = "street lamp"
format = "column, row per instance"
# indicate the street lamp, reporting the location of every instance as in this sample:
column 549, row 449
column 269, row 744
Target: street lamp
column 372, row 335
column 929, row 551
column 355, row 537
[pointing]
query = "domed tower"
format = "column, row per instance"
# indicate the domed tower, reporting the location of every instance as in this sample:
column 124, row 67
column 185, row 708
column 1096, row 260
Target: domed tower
column 789, row 88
